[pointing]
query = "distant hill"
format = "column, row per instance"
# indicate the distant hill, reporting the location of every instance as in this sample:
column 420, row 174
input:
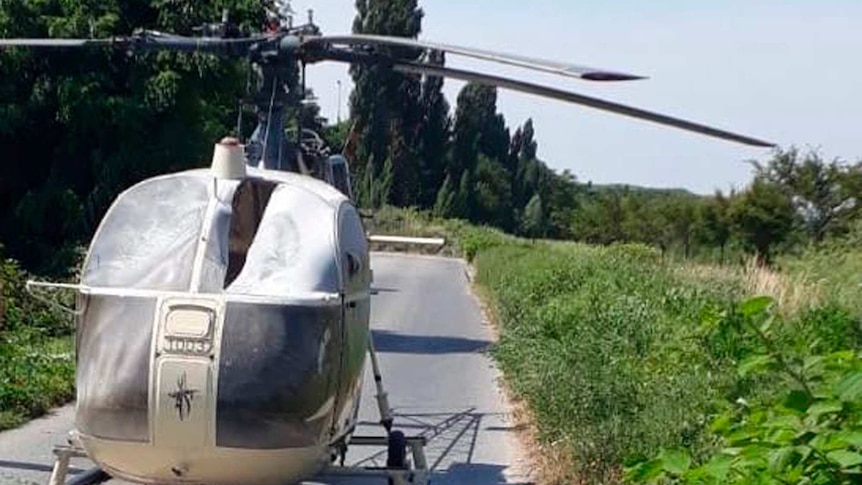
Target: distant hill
column 652, row 191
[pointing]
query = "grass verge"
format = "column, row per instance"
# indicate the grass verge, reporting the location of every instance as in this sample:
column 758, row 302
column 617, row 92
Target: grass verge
column 36, row 353
column 619, row 353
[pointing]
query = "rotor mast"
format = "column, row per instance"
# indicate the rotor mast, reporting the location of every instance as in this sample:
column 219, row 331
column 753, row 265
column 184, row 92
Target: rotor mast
column 281, row 84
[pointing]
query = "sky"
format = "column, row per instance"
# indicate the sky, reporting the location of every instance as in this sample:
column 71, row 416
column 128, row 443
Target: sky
column 787, row 71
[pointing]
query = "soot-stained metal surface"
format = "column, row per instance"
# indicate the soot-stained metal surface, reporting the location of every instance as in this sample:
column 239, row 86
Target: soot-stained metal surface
column 114, row 337
column 277, row 375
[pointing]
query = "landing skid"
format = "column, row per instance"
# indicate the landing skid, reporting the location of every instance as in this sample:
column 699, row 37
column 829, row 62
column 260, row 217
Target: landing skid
column 416, row 473
column 64, row 453
column 399, row 469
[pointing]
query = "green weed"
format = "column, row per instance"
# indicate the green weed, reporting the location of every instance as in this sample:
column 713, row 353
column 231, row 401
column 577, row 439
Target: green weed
column 619, row 352
column 36, row 353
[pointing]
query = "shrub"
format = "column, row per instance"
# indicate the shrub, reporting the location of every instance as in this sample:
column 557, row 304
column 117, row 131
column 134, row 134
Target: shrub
column 808, row 433
column 36, row 361
column 599, row 343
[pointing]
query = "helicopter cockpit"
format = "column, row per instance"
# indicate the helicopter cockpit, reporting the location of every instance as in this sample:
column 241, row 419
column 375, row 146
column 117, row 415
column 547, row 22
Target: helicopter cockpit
column 196, row 276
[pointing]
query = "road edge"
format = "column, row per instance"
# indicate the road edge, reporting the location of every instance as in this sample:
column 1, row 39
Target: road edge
column 531, row 465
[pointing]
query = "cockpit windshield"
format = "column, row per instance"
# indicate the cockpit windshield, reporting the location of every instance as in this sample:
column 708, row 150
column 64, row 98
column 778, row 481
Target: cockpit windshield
column 149, row 237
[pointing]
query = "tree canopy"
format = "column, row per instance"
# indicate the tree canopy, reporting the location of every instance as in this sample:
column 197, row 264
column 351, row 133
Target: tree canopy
column 78, row 129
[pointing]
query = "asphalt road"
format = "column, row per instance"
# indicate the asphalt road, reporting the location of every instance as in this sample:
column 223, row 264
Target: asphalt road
column 431, row 342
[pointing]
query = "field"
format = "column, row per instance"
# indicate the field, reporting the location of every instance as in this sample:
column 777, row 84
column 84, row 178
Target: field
column 621, row 354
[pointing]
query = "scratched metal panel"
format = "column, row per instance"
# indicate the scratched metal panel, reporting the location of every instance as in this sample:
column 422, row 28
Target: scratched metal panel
column 277, row 375
column 182, row 403
column 114, row 337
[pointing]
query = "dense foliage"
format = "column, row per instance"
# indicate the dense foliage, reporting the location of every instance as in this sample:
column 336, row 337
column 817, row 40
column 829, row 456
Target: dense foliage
column 809, row 433
column 77, row 129
column 36, row 361
column 620, row 353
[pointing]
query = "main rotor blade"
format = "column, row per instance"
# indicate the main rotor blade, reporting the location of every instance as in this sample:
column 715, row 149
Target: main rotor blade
column 147, row 40
column 54, row 43
column 580, row 99
column 553, row 67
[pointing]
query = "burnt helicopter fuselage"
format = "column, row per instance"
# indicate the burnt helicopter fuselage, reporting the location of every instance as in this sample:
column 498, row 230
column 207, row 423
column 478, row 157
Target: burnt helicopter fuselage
column 223, row 327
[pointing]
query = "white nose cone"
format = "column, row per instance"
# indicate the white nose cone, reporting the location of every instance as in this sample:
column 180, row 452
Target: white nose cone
column 228, row 159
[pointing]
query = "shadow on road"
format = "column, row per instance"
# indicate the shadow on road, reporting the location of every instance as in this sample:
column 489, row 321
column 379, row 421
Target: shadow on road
column 451, row 446
column 35, row 467
column 377, row 290
column 470, row 473
column 392, row 342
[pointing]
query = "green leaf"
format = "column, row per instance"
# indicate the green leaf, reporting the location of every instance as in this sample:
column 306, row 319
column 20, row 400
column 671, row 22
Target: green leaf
column 853, row 438
column 804, row 452
column 797, row 400
column 718, row 467
column 675, row 461
column 844, row 458
column 781, row 458
column 755, row 306
column 812, row 362
column 767, row 325
column 755, row 364
column 789, row 421
column 841, row 356
column 824, row 407
column 644, row 472
column 721, row 423
column 741, row 436
column 849, row 388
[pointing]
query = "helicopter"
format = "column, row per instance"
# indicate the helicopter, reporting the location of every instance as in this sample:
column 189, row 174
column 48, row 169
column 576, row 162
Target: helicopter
column 223, row 312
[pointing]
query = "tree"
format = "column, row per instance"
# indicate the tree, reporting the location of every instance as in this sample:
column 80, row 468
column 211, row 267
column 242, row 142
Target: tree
column 444, row 206
column 716, row 222
column 475, row 110
column 763, row 217
column 386, row 104
column 434, row 132
column 681, row 214
column 79, row 128
column 533, row 224
column 562, row 203
column 816, row 188
column 493, row 194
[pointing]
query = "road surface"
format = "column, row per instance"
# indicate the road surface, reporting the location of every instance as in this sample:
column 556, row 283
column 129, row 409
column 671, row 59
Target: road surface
column 431, row 341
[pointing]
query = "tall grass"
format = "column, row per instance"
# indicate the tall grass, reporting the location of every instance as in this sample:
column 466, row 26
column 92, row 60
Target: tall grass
column 608, row 346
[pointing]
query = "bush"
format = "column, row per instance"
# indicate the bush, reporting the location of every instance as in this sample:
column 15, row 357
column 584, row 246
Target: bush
column 598, row 341
column 36, row 360
column 808, row 433
column 620, row 353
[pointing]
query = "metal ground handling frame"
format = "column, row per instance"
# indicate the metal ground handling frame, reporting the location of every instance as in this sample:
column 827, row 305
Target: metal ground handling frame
column 417, row 474
column 64, row 454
